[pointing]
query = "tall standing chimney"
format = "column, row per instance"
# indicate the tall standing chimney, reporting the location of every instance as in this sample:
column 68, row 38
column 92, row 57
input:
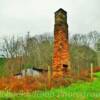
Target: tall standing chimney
column 61, row 45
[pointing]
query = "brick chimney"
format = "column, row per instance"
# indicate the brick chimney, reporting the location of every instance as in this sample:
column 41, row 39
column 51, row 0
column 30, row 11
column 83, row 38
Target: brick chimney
column 61, row 45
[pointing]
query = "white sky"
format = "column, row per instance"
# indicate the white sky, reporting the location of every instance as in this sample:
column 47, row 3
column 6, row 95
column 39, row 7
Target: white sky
column 37, row 16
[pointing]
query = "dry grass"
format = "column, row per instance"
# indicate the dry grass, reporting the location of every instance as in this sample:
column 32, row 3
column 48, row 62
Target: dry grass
column 28, row 84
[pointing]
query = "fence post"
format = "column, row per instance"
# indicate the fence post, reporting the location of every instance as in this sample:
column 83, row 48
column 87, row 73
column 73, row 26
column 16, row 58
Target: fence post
column 78, row 71
column 49, row 76
column 69, row 69
column 69, row 66
column 91, row 70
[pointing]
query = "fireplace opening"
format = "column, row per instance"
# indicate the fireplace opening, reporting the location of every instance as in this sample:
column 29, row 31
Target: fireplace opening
column 65, row 66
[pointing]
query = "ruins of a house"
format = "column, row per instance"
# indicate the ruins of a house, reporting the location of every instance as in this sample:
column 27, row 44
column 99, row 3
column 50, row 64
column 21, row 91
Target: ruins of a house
column 61, row 45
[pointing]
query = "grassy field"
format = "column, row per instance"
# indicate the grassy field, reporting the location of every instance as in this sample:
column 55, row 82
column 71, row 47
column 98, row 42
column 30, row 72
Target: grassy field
column 76, row 91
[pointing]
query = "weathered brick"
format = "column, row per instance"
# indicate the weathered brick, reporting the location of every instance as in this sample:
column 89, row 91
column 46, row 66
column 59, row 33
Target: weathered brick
column 61, row 45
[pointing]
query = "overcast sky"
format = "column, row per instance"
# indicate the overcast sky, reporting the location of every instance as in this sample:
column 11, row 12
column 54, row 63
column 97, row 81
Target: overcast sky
column 37, row 16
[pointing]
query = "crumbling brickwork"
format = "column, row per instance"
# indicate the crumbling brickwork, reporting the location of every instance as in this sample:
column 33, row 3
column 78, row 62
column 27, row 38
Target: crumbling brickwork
column 61, row 45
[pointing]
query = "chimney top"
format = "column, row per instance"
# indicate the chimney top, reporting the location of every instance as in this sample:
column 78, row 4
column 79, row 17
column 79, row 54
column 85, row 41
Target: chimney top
column 60, row 10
